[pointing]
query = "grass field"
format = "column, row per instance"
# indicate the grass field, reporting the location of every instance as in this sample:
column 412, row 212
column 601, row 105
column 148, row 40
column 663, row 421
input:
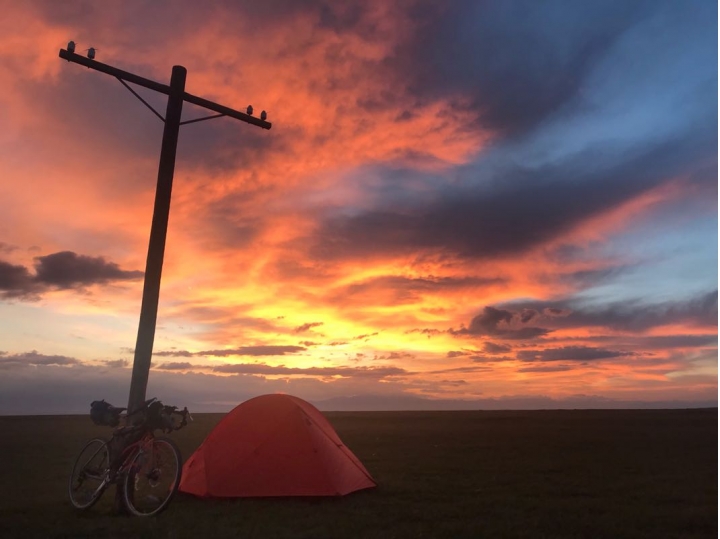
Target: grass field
column 536, row 474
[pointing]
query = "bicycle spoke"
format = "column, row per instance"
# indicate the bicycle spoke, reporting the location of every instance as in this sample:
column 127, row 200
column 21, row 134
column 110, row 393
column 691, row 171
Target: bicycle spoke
column 89, row 477
column 154, row 478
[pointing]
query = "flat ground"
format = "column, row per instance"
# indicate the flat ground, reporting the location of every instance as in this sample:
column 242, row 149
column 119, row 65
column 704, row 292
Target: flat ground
column 532, row 474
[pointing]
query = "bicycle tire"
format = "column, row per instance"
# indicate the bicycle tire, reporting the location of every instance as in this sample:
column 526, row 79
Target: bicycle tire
column 152, row 480
column 89, row 470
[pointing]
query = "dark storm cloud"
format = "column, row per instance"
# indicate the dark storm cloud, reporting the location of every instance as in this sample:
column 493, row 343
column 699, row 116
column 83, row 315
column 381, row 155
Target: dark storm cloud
column 571, row 353
column 34, row 358
column 354, row 372
column 588, row 278
column 117, row 363
column 262, row 350
column 510, row 321
column 501, row 324
column 521, row 61
column 176, row 366
column 187, row 15
column 61, row 270
column 546, row 368
column 173, row 353
column 461, row 370
column 16, row 282
column 627, row 316
column 523, row 207
column 652, row 342
column 678, row 341
column 518, row 62
column 490, row 359
column 493, row 348
column 70, row 270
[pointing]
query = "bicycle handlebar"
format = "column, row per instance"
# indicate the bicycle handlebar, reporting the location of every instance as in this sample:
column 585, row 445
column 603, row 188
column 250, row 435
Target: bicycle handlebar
column 184, row 413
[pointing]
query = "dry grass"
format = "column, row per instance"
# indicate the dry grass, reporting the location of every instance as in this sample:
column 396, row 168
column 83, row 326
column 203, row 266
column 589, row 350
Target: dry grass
column 441, row 474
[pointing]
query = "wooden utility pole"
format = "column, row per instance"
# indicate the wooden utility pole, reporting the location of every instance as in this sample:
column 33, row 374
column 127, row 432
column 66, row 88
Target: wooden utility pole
column 158, row 232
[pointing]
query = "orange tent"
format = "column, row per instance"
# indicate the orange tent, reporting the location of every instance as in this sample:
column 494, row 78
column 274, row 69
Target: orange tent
column 273, row 445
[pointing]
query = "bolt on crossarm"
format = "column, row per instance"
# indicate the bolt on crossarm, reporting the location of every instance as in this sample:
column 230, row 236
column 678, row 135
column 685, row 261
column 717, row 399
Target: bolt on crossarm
column 158, row 232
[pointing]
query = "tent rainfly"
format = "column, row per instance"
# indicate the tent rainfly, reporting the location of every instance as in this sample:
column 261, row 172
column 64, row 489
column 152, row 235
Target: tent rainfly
column 273, row 445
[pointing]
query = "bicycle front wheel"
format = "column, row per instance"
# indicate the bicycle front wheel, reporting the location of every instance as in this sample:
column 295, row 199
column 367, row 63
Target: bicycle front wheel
column 153, row 478
column 89, row 477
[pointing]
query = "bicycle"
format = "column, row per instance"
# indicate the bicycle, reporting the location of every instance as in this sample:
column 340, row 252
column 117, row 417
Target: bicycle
column 147, row 468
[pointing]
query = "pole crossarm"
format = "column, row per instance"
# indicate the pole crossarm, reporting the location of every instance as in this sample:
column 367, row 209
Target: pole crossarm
column 162, row 88
column 115, row 72
column 227, row 111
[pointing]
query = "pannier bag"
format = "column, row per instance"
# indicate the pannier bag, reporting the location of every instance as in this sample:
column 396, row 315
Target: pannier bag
column 157, row 418
column 103, row 413
column 154, row 416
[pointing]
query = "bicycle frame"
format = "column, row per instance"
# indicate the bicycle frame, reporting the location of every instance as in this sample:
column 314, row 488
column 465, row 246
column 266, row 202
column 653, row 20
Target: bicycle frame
column 129, row 453
column 127, row 456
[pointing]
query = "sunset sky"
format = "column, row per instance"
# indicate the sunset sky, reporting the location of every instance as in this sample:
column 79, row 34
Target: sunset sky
column 480, row 204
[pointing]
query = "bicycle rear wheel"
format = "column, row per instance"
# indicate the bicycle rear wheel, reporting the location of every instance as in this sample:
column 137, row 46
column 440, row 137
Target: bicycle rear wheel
column 89, row 477
column 153, row 478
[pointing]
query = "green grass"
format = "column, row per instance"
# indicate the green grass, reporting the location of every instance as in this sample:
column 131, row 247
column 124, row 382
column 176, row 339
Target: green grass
column 533, row 474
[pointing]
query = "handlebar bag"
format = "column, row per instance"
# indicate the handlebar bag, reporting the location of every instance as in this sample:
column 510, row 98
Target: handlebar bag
column 100, row 413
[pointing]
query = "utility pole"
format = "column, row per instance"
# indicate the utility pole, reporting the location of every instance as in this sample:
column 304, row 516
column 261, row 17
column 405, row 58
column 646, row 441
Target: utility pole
column 158, row 232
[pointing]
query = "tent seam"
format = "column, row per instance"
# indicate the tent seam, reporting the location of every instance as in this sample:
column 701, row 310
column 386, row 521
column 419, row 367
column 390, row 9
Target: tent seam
column 343, row 448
